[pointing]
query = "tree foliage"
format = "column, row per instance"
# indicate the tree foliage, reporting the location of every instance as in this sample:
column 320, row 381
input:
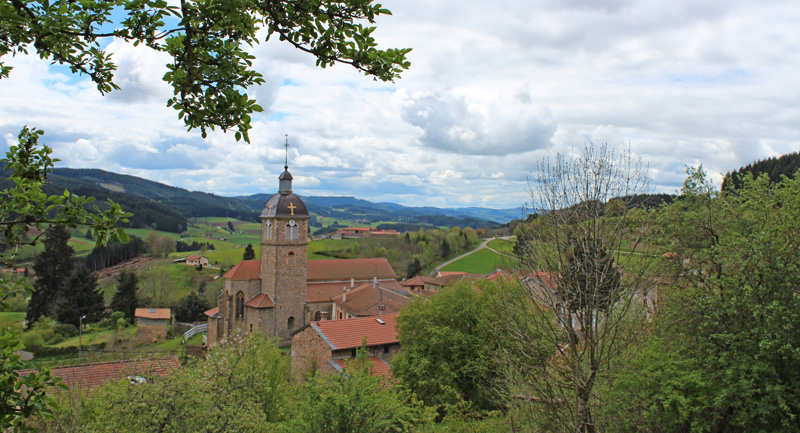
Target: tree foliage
column 730, row 323
column 448, row 348
column 211, row 68
column 191, row 308
column 581, row 285
column 125, row 298
column 52, row 268
column 249, row 253
column 80, row 296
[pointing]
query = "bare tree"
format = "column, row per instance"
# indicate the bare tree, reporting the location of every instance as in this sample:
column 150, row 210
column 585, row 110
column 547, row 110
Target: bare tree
column 585, row 273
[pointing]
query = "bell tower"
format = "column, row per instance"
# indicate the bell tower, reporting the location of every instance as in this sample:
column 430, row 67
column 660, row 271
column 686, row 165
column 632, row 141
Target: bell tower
column 284, row 240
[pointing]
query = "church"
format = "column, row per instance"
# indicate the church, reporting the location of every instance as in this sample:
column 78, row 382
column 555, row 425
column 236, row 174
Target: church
column 283, row 291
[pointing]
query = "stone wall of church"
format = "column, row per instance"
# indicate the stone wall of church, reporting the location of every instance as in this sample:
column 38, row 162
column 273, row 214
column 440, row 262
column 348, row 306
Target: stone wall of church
column 310, row 354
column 284, row 276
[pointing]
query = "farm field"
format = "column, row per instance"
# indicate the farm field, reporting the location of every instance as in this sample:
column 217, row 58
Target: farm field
column 503, row 245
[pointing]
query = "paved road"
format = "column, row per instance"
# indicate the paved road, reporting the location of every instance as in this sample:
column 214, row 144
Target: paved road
column 484, row 244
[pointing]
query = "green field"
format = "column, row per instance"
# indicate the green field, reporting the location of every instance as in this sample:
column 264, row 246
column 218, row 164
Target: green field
column 502, row 245
column 482, row 261
column 11, row 318
column 142, row 233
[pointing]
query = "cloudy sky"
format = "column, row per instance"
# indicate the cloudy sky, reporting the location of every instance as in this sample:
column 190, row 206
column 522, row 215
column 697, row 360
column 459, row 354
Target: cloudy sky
column 494, row 87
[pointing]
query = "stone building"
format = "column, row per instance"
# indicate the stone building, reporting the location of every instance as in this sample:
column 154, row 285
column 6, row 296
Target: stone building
column 328, row 346
column 282, row 291
column 152, row 323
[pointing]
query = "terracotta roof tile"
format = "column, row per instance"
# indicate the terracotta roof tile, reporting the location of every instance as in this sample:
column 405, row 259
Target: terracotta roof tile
column 194, row 257
column 152, row 313
column 323, row 292
column 260, row 300
column 366, row 299
column 341, row 269
column 245, row 270
column 212, row 312
column 348, row 333
column 90, row 376
column 379, row 366
column 446, row 273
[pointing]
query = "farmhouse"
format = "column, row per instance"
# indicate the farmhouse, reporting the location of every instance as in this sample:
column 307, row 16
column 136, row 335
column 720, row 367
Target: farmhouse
column 282, row 291
column 370, row 299
column 328, row 346
column 196, row 260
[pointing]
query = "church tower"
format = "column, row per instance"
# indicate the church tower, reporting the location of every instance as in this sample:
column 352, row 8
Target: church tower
column 284, row 240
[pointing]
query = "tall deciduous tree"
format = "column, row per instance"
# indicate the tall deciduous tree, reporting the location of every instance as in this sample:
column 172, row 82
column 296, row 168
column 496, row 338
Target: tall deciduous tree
column 125, row 299
column 53, row 266
column 211, row 67
column 583, row 279
column 80, row 296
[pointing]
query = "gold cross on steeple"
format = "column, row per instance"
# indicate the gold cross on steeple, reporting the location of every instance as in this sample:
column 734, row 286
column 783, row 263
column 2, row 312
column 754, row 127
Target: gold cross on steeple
column 292, row 207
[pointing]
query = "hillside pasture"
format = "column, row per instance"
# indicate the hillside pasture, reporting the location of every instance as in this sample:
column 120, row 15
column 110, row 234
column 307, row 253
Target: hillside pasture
column 505, row 246
column 482, row 261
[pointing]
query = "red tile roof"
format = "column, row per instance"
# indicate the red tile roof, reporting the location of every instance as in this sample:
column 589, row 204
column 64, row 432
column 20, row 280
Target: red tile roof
column 245, row 270
column 342, row 269
column 348, row 333
column 194, row 257
column 366, row 300
column 379, row 366
column 260, row 300
column 446, row 273
column 323, row 292
column 90, row 376
column 212, row 312
column 152, row 313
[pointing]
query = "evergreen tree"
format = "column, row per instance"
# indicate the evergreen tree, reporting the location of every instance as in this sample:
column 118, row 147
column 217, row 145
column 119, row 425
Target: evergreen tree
column 230, row 227
column 445, row 249
column 52, row 267
column 414, row 268
column 80, row 297
column 191, row 308
column 249, row 253
column 125, row 298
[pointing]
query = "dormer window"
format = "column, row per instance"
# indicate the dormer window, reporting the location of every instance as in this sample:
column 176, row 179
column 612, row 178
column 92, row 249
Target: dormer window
column 291, row 230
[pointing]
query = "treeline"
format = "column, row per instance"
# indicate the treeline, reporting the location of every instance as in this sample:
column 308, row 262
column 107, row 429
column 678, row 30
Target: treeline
column 181, row 246
column 785, row 165
column 115, row 253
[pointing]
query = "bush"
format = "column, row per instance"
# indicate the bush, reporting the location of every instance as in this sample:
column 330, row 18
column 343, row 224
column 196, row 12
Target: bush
column 32, row 340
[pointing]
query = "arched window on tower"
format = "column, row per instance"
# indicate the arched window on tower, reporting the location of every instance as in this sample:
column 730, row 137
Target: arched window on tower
column 291, row 230
column 239, row 305
column 268, row 229
column 290, row 323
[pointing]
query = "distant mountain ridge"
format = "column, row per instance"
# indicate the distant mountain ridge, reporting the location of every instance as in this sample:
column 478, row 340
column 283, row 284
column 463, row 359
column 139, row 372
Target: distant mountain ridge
column 167, row 207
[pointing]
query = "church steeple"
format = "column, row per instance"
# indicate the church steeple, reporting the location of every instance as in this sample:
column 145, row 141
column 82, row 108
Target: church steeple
column 285, row 184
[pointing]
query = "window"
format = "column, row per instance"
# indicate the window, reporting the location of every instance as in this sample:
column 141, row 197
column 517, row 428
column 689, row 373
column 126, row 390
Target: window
column 290, row 323
column 317, row 316
column 268, row 229
column 291, row 230
column 240, row 305
column 251, row 328
column 385, row 350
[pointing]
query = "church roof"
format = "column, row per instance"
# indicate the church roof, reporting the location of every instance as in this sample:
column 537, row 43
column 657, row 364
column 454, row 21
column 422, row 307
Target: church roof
column 214, row 312
column 344, row 269
column 366, row 300
column 260, row 300
column 245, row 270
column 348, row 333
column 285, row 206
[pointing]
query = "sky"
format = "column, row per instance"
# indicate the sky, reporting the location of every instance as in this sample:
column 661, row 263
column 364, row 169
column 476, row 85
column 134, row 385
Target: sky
column 494, row 89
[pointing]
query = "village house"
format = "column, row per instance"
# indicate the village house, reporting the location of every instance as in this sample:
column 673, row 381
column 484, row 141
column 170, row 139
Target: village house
column 360, row 232
column 282, row 291
column 197, row 260
column 370, row 299
column 152, row 323
column 328, row 346
column 434, row 284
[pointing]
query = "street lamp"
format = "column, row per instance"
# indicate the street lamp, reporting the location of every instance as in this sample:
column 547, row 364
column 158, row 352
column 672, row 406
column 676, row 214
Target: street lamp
column 80, row 338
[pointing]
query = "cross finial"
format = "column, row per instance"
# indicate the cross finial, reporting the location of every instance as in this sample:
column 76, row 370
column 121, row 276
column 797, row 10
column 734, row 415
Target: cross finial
column 286, row 165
